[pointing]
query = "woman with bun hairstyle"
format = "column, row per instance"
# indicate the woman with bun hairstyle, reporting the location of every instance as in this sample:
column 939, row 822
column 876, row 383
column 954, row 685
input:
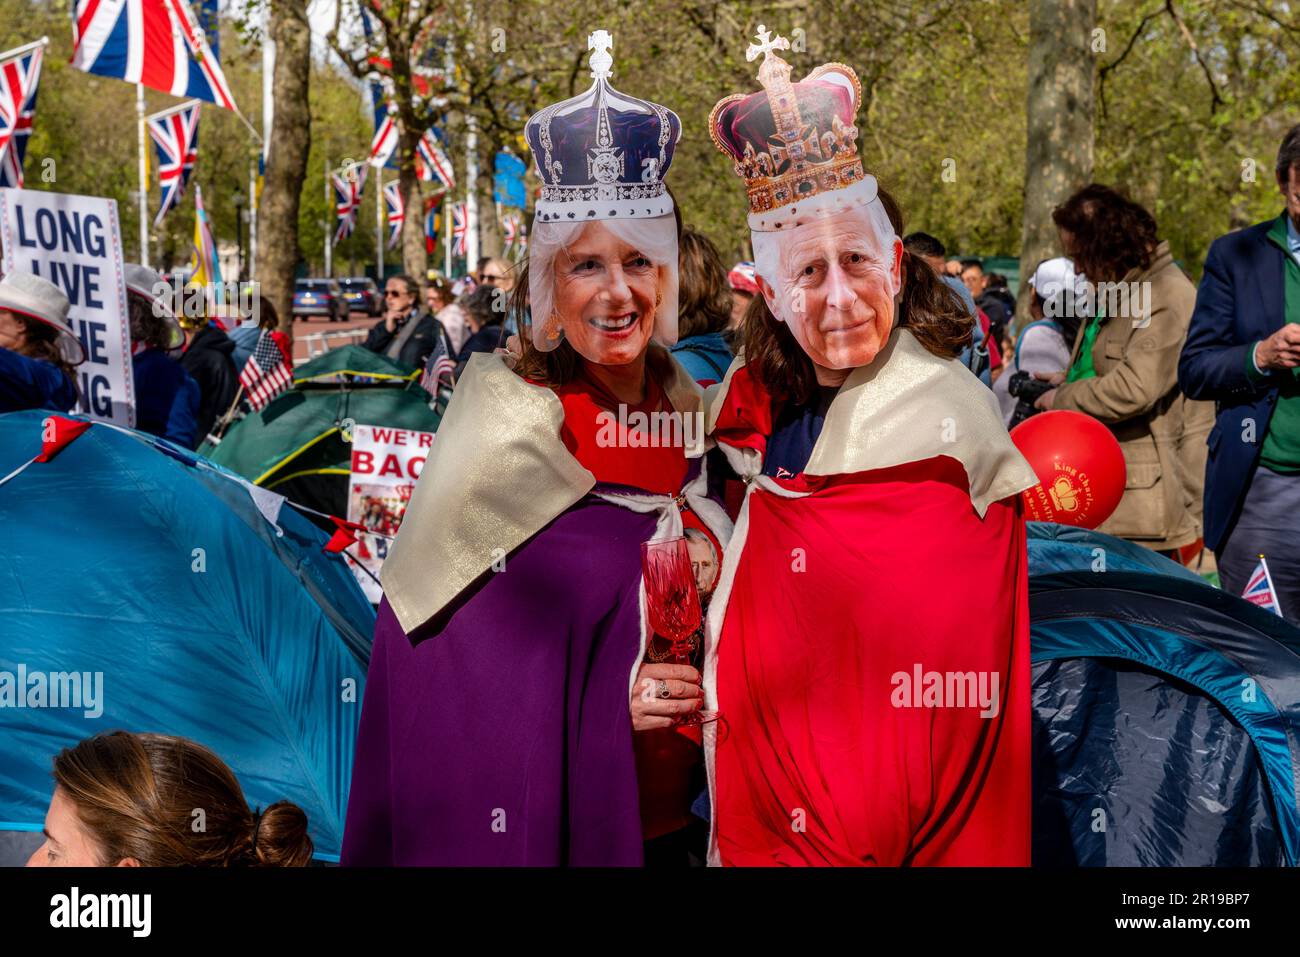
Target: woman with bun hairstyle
column 130, row 800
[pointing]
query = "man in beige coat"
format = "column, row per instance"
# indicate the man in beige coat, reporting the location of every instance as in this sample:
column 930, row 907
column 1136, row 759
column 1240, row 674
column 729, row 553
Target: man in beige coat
column 1124, row 369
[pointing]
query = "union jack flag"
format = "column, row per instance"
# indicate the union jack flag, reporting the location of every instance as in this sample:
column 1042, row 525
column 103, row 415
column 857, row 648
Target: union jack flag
column 513, row 232
column 267, row 372
column 433, row 163
column 459, row 228
column 20, row 73
column 347, row 193
column 157, row 43
column 175, row 135
column 1259, row 590
column 384, row 143
column 396, row 212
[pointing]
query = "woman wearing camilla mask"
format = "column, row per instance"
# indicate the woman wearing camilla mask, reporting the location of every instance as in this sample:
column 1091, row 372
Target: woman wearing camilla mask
column 880, row 541
column 509, row 718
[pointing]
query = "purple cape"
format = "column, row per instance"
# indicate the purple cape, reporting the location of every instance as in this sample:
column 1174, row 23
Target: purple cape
column 499, row 733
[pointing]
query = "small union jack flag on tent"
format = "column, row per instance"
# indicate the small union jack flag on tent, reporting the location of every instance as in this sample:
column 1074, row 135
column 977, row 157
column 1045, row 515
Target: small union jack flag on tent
column 267, row 372
column 175, row 135
column 20, row 74
column 433, row 163
column 1260, row 591
column 157, row 43
column 347, row 193
column 395, row 210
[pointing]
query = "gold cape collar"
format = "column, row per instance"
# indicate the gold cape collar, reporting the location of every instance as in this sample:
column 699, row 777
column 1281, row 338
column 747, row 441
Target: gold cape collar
column 497, row 473
column 908, row 405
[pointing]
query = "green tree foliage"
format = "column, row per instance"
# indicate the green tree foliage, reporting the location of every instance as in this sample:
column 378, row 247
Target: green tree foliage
column 1192, row 98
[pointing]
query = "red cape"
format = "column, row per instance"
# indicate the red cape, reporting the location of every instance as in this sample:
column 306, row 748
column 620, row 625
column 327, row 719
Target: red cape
column 838, row 597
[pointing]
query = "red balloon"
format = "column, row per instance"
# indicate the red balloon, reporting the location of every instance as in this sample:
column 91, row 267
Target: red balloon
column 1079, row 464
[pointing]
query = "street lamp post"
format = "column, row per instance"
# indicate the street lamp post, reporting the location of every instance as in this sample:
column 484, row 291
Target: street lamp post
column 239, row 199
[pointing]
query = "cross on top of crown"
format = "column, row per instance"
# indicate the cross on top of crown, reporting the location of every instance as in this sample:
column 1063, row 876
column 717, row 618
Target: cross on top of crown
column 765, row 44
column 601, row 61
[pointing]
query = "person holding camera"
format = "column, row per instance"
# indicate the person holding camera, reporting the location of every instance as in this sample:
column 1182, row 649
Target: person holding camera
column 1056, row 309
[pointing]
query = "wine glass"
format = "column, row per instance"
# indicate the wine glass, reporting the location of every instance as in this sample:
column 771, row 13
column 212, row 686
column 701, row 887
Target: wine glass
column 673, row 601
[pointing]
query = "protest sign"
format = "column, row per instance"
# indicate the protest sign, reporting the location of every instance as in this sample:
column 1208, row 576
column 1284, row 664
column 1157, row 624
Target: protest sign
column 385, row 464
column 74, row 242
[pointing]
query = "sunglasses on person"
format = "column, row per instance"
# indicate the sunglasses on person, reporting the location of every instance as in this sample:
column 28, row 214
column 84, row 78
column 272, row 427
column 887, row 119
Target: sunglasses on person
column 492, row 279
column 394, row 292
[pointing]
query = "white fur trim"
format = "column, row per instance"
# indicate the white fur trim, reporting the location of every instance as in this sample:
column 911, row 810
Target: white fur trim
column 787, row 217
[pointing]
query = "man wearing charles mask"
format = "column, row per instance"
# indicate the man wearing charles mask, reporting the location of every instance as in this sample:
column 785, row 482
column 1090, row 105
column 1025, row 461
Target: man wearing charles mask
column 869, row 632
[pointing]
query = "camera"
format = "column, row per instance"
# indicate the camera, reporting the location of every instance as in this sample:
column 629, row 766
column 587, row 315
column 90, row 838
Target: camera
column 1027, row 389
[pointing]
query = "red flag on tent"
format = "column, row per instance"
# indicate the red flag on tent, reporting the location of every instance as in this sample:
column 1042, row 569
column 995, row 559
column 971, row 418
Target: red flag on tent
column 57, row 433
column 345, row 534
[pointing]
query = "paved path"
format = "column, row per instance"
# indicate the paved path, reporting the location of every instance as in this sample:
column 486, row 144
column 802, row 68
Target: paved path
column 304, row 347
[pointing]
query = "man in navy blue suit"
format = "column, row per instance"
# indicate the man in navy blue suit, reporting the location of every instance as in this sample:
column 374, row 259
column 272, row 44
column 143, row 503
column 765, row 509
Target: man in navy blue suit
column 1243, row 351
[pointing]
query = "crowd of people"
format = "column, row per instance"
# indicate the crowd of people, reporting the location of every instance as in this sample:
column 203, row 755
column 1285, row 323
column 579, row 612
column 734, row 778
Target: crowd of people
column 540, row 700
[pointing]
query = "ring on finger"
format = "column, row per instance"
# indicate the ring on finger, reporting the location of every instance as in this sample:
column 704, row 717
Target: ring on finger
column 662, row 689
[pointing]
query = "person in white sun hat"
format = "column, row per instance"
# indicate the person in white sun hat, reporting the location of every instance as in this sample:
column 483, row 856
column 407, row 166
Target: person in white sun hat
column 39, row 352
column 167, row 397
column 1056, row 311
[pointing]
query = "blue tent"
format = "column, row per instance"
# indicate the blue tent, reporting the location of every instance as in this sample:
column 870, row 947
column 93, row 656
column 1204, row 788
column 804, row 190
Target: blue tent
column 208, row 613
column 1166, row 724
column 1059, row 548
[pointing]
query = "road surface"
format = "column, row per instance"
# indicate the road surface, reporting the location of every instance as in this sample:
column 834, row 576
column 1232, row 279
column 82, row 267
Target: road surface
column 308, row 334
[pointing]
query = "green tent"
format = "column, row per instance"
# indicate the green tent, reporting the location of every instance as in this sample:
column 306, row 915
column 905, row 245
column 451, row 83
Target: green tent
column 297, row 445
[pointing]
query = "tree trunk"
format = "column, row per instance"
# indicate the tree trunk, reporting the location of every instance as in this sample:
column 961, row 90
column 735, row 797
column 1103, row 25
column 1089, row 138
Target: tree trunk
column 415, row 258
column 489, row 229
column 1059, row 148
column 286, row 166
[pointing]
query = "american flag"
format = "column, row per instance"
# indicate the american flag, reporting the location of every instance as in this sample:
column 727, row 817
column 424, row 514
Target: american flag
column 267, row 372
column 1259, row 590
column 347, row 191
column 175, row 134
column 396, row 212
column 433, row 161
column 459, row 228
column 438, row 370
column 20, row 74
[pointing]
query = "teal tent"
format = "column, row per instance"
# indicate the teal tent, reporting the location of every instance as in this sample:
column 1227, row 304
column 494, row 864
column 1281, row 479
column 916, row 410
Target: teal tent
column 197, row 604
column 299, row 444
